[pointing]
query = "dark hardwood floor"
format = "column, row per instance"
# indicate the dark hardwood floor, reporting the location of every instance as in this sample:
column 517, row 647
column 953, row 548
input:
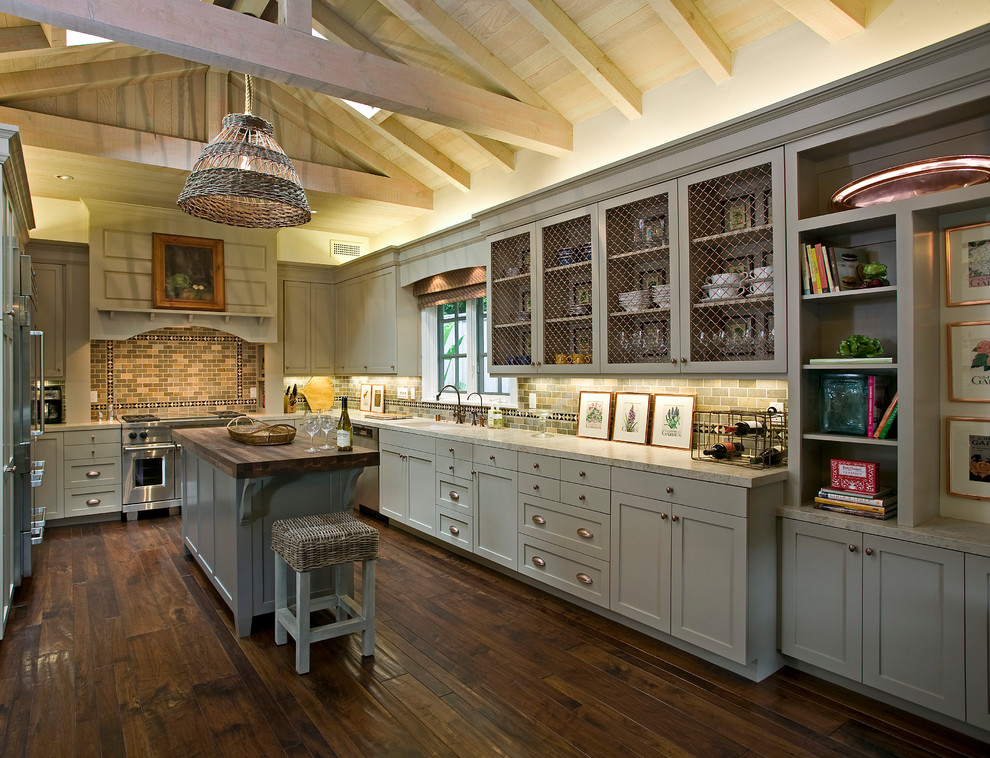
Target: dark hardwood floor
column 119, row 646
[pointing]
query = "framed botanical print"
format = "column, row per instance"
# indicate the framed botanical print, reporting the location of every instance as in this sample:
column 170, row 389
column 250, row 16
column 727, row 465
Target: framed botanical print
column 967, row 263
column 594, row 415
column 673, row 421
column 187, row 273
column 968, row 451
column 969, row 361
column 632, row 415
column 377, row 398
column 737, row 213
column 365, row 404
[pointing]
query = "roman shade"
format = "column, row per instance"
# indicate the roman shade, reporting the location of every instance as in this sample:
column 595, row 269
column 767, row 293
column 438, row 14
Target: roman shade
column 450, row 287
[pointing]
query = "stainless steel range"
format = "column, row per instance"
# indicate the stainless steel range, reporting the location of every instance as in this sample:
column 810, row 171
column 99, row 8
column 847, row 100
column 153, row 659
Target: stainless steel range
column 150, row 458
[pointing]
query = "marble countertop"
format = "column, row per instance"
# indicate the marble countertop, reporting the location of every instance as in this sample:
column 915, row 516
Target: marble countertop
column 85, row 426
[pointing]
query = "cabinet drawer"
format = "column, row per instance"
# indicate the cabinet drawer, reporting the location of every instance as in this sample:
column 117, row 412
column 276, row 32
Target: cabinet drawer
column 420, row 442
column 539, row 486
column 583, row 496
column 96, row 451
column 564, row 569
column 499, row 457
column 90, row 472
column 544, row 465
column 454, row 449
column 92, row 437
column 580, row 472
column 454, row 467
column 83, row 500
column 722, row 498
column 455, row 528
column 581, row 530
column 454, row 493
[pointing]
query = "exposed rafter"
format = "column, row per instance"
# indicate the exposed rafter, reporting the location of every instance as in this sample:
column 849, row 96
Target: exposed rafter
column 833, row 20
column 583, row 54
column 217, row 37
column 16, row 38
column 695, row 32
column 498, row 152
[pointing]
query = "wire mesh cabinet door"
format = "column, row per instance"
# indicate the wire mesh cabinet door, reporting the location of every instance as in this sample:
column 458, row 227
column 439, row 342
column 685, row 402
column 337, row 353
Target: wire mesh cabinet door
column 511, row 283
column 640, row 297
column 732, row 274
column 568, row 282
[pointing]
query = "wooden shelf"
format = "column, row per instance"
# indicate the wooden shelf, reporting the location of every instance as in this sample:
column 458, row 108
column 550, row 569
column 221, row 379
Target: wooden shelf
column 511, row 325
column 848, row 439
column 578, row 264
column 567, row 319
column 226, row 316
column 640, row 251
column 733, row 301
column 724, row 236
column 873, row 293
column 515, row 278
column 664, row 311
column 850, row 367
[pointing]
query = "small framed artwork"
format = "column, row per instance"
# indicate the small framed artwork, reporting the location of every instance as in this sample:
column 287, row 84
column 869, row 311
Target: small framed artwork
column 967, row 261
column 738, row 336
column 968, row 463
column 969, row 361
column 652, row 275
column 365, row 404
column 737, row 213
column 632, row 416
column 377, row 398
column 187, row 273
column 673, row 419
column 594, row 415
column 583, row 340
column 582, row 294
column 739, row 264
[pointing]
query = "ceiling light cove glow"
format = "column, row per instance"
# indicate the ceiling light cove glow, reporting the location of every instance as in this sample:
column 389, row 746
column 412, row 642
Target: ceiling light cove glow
column 78, row 38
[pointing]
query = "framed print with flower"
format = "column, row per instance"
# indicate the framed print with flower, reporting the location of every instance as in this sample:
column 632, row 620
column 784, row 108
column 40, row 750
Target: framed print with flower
column 673, row 417
column 968, row 457
column 967, row 265
column 365, row 404
column 377, row 398
column 969, row 361
column 632, row 416
column 187, row 273
column 594, row 414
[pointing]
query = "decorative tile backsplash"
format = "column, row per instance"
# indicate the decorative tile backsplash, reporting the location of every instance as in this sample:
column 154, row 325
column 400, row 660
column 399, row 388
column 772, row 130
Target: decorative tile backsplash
column 174, row 368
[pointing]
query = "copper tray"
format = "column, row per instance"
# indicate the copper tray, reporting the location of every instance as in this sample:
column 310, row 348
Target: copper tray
column 913, row 179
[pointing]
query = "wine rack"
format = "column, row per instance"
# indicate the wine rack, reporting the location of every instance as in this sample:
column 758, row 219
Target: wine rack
column 762, row 435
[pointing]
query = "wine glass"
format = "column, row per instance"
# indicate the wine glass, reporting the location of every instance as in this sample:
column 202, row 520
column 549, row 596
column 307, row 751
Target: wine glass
column 327, row 423
column 311, row 425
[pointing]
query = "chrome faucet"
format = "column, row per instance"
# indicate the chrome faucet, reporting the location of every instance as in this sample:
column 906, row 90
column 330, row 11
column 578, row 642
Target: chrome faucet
column 459, row 410
column 480, row 413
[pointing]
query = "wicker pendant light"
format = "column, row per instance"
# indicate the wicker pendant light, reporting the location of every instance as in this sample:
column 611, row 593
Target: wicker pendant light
column 243, row 177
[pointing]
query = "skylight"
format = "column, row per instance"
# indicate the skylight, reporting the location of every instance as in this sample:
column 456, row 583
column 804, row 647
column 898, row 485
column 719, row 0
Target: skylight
column 78, row 38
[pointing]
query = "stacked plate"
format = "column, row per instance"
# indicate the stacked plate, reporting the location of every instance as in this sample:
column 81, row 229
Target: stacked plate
column 635, row 300
column 579, row 309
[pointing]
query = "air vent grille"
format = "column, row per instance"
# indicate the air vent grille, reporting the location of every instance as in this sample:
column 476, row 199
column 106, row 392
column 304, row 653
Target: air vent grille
column 347, row 249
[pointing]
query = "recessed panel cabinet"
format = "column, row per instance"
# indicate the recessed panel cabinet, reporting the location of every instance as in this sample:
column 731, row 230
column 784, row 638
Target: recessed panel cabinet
column 307, row 328
column 978, row 641
column 406, row 476
column 50, row 316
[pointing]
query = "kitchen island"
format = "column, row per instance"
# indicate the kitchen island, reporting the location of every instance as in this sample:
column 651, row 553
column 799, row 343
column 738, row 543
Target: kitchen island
column 233, row 492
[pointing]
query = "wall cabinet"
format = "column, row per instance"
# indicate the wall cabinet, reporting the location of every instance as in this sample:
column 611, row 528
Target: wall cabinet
column 910, row 642
column 50, row 316
column 307, row 328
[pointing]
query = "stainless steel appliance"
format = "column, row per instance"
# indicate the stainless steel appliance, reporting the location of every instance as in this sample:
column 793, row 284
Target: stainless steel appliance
column 150, row 459
column 52, row 404
column 366, row 490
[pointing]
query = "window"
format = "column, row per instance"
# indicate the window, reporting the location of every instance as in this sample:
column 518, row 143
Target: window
column 455, row 352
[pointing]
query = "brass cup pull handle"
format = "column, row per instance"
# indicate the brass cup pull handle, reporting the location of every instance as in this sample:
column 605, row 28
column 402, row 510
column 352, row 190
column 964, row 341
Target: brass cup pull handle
column 670, row 490
column 93, row 501
column 92, row 474
column 852, row 548
column 869, row 551
column 580, row 497
column 454, row 495
column 537, row 561
column 539, row 520
column 586, row 533
column 675, row 518
column 584, row 578
column 454, row 530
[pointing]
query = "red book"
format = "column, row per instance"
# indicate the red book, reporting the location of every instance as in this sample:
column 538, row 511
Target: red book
column 871, row 400
column 855, row 476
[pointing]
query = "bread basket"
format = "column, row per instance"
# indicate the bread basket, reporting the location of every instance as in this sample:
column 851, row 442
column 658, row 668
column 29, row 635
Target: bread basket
column 250, row 431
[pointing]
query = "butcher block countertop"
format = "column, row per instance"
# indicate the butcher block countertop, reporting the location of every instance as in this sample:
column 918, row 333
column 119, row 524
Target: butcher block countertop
column 243, row 461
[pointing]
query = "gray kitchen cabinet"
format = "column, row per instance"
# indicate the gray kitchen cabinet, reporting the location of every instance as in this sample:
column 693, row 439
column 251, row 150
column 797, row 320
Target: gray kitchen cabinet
column 50, row 316
column 407, row 480
column 354, row 313
column 91, row 475
column 496, row 535
column 641, row 569
column 307, row 328
column 48, row 448
column 978, row 641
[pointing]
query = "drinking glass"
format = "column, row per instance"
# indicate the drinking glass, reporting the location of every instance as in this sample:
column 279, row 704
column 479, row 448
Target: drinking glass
column 311, row 425
column 327, row 423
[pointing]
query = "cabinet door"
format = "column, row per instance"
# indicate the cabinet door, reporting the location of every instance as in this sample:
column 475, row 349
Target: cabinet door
column 510, row 288
column 496, row 517
column 420, row 484
column 708, row 581
column 321, row 323
column 381, row 317
column 295, row 328
column 640, row 550
column 50, row 316
column 821, row 596
column 353, row 327
column 48, row 495
column 978, row 641
column 393, row 483
column 913, row 623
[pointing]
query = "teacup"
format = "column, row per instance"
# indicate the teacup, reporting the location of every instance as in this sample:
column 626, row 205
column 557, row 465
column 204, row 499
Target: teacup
column 724, row 293
column 761, row 286
column 762, row 272
column 577, row 357
column 727, row 279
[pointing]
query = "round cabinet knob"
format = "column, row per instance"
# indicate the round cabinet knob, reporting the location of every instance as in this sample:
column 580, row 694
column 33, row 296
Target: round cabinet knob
column 450, row 450
column 663, row 516
column 454, row 530
column 454, row 495
column 450, row 467
column 670, row 490
column 539, row 520
column 537, row 561
column 580, row 473
column 673, row 361
column 869, row 551
column 581, row 497
column 536, row 465
column 536, row 486
column 92, row 437
column 852, row 548
column 584, row 578
column 92, row 474
column 93, row 501
column 491, row 457
column 683, row 360
column 675, row 518
column 585, row 533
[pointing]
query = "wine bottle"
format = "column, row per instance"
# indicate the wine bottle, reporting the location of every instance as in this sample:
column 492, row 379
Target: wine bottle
column 769, row 457
column 742, row 428
column 345, row 435
column 722, row 450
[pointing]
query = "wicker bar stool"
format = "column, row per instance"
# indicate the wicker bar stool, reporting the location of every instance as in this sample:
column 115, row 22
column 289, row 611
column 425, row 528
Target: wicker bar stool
column 311, row 542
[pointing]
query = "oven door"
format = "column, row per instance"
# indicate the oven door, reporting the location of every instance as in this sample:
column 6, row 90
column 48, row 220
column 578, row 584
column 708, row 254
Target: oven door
column 149, row 473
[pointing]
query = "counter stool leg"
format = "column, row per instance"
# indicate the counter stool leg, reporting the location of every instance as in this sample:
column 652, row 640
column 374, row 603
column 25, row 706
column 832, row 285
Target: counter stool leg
column 368, row 606
column 303, row 621
column 281, row 599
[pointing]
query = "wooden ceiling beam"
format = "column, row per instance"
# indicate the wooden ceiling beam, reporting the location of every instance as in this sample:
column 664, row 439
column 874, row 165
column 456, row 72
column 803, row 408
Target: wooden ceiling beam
column 216, row 101
column 583, row 54
column 417, row 147
column 117, row 143
column 498, row 152
column 61, row 80
column 56, row 36
column 833, row 20
column 214, row 36
column 333, row 27
column 16, row 38
column 296, row 14
column 697, row 35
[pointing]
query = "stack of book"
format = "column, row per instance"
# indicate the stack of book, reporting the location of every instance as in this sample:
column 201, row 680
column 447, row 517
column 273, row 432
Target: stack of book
column 881, row 504
column 829, row 269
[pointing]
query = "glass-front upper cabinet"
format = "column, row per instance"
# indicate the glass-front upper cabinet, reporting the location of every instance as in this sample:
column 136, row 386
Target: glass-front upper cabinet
column 510, row 300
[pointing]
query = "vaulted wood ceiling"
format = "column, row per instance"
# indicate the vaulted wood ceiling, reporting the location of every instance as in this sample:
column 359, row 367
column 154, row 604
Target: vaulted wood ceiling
column 463, row 85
